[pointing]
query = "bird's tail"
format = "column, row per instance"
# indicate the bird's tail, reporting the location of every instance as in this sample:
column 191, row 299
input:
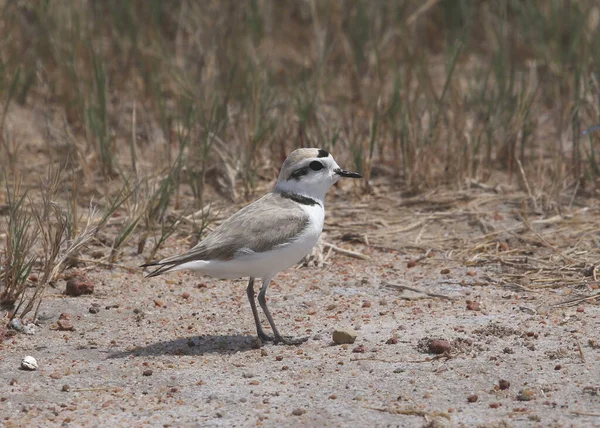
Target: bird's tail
column 162, row 268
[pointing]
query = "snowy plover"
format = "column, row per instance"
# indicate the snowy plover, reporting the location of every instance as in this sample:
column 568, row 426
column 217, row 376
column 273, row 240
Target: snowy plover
column 269, row 235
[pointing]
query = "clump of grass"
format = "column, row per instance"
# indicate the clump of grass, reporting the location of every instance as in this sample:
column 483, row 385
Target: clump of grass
column 45, row 223
column 60, row 243
column 17, row 255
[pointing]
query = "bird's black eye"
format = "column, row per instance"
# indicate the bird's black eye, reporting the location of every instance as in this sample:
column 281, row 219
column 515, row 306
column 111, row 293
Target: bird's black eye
column 316, row 165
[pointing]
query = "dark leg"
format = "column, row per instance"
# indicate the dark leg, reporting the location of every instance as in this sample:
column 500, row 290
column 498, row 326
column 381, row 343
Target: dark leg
column 263, row 304
column 259, row 330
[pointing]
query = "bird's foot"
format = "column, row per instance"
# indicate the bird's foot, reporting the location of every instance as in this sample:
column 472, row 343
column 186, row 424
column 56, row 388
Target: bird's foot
column 288, row 340
column 265, row 337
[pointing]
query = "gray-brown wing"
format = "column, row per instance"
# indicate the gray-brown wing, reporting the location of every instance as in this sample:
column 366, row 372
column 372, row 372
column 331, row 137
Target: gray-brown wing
column 258, row 227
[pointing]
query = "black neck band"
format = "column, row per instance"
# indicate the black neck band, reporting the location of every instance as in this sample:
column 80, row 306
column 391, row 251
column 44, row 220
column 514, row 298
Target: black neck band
column 304, row 200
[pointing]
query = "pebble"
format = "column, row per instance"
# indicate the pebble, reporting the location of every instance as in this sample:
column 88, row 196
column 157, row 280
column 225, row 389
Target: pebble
column 439, row 346
column 525, row 394
column 55, row 375
column 359, row 349
column 64, row 322
column 473, row 306
column 66, row 388
column 344, row 336
column 93, row 310
column 472, row 398
column 79, row 285
column 147, row 372
column 29, row 363
column 18, row 325
column 298, row 412
column 503, row 384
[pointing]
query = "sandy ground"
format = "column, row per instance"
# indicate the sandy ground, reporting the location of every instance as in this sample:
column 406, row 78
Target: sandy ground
column 180, row 350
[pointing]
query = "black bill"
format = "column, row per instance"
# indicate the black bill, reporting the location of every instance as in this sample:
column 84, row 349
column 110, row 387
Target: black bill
column 348, row 174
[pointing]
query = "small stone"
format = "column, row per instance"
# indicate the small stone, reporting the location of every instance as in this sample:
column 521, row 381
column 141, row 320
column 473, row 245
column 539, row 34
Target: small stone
column 298, row 412
column 366, row 304
column 263, row 352
column 79, row 285
column 248, row 375
column 473, row 306
column 17, row 325
column 445, row 271
column 66, row 388
column 93, row 310
column 472, row 272
column 360, row 349
column 439, row 346
column 557, row 367
column 525, row 394
column 392, row 340
column 279, row 358
column 344, row 336
column 185, row 295
column 29, row 363
column 495, row 405
column 55, row 375
column 503, row 384
column 472, row 398
column 65, row 325
column 147, row 372
column 333, row 397
column 411, row 264
column 159, row 303
column 12, row 382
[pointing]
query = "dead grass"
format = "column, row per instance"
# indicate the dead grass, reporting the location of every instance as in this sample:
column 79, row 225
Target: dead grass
column 153, row 109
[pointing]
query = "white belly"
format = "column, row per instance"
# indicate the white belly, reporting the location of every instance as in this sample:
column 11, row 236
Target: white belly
column 265, row 264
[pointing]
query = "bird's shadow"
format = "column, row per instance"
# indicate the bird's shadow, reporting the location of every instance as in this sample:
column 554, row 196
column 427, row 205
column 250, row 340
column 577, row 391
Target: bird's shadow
column 194, row 345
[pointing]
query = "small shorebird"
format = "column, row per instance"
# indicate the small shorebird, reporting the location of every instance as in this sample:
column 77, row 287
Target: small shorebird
column 269, row 235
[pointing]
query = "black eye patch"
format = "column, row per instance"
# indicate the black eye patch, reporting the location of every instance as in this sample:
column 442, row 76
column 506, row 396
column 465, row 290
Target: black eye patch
column 323, row 153
column 316, row 166
column 300, row 172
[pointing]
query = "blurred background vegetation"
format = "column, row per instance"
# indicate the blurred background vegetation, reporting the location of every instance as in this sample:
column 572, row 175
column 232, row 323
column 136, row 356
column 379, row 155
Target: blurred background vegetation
column 142, row 105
